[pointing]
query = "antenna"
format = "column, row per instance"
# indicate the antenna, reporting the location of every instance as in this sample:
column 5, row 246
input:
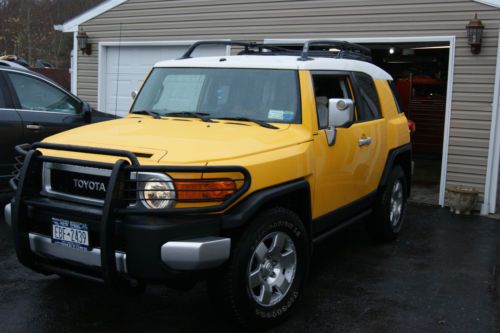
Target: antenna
column 118, row 72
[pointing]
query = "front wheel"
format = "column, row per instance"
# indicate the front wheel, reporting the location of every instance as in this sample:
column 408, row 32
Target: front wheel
column 265, row 275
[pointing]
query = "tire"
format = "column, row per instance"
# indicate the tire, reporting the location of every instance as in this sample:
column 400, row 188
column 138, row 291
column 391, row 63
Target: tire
column 387, row 219
column 248, row 287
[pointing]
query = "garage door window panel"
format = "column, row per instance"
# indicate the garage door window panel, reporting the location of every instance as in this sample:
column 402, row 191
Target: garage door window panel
column 182, row 93
column 36, row 95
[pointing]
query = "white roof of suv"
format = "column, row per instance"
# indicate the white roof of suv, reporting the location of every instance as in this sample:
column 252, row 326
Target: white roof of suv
column 279, row 62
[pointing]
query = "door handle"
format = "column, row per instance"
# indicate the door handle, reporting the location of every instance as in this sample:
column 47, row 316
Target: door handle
column 34, row 127
column 365, row 141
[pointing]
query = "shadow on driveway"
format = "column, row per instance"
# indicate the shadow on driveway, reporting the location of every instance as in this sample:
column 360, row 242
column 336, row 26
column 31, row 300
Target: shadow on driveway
column 438, row 277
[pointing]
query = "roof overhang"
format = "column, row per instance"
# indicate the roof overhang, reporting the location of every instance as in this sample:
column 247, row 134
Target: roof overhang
column 494, row 3
column 72, row 25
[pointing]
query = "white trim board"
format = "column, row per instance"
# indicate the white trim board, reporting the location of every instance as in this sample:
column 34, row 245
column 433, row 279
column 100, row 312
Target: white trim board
column 493, row 3
column 449, row 89
column 74, row 65
column 72, row 25
column 491, row 184
column 412, row 39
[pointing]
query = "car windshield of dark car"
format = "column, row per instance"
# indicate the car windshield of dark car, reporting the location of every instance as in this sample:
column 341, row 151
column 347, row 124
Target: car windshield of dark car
column 269, row 95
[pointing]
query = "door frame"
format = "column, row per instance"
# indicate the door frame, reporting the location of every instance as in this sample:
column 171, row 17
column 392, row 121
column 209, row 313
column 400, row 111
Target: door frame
column 491, row 183
column 102, row 60
column 449, row 88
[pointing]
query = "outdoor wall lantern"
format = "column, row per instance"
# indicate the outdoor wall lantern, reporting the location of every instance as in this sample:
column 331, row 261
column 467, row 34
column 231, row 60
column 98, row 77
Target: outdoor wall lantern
column 474, row 33
column 83, row 43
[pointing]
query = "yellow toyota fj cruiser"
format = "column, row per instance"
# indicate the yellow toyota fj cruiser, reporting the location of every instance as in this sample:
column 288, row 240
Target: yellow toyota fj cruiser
column 227, row 169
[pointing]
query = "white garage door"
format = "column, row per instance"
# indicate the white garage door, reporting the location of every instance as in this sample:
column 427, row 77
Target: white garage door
column 126, row 67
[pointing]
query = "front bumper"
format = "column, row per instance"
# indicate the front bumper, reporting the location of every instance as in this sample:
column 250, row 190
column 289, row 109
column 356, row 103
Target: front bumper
column 196, row 254
column 192, row 254
column 124, row 244
column 43, row 246
column 148, row 248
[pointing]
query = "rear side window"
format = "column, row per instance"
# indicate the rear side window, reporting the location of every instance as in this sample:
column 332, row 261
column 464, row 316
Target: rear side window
column 367, row 102
column 36, row 95
column 395, row 94
column 3, row 103
column 4, row 99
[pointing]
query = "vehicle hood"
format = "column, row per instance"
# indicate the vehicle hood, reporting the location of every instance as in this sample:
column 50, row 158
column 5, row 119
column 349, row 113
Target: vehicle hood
column 184, row 140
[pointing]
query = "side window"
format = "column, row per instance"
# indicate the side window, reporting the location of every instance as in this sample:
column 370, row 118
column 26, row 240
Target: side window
column 3, row 102
column 325, row 87
column 36, row 95
column 395, row 93
column 367, row 101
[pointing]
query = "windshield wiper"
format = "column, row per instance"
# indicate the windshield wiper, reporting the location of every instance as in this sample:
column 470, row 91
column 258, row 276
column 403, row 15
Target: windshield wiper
column 153, row 114
column 258, row 122
column 200, row 115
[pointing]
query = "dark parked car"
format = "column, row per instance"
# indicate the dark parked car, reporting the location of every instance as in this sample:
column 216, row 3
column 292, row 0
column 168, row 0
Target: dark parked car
column 33, row 107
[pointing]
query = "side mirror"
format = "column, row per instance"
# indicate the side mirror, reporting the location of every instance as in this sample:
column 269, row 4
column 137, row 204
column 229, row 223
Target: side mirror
column 133, row 94
column 340, row 114
column 87, row 111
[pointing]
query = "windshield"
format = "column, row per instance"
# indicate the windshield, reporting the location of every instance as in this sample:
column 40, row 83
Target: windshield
column 260, row 94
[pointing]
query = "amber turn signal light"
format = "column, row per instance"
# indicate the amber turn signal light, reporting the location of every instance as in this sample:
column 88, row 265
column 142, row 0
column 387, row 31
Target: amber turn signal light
column 204, row 190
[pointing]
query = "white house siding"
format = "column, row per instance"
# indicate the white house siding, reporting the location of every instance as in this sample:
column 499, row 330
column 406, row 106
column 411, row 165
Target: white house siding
column 148, row 20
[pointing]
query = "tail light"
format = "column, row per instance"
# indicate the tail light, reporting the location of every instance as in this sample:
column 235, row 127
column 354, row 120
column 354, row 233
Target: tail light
column 412, row 126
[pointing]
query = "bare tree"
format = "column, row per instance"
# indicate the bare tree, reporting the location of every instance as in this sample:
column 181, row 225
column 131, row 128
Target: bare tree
column 27, row 28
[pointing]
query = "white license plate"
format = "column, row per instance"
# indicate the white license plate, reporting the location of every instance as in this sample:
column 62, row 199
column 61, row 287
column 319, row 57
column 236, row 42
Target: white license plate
column 70, row 233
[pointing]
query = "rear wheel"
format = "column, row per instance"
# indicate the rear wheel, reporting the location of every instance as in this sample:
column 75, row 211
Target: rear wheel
column 387, row 220
column 265, row 275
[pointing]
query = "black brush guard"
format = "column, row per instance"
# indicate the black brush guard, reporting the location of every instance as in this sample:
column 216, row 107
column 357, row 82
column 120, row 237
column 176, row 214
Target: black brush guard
column 29, row 184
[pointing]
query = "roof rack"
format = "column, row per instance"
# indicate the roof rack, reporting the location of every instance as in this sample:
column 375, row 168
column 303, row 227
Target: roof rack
column 342, row 49
column 345, row 49
column 247, row 45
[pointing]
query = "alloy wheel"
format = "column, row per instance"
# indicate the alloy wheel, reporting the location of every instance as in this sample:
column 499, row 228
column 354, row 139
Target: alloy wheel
column 397, row 202
column 272, row 268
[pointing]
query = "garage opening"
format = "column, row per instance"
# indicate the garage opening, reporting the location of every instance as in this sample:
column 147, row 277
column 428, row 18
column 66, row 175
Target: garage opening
column 420, row 71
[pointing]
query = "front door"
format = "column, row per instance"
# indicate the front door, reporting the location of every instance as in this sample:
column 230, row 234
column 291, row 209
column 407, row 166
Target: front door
column 45, row 109
column 11, row 133
column 348, row 171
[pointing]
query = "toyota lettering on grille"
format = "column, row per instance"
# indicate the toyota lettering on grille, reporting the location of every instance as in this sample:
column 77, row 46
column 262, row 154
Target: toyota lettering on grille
column 89, row 185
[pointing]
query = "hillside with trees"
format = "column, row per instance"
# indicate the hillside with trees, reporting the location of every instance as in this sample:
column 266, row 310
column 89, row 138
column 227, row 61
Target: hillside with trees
column 27, row 29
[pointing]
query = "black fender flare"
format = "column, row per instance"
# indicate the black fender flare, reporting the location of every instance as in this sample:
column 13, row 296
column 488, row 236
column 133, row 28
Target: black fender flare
column 400, row 155
column 243, row 212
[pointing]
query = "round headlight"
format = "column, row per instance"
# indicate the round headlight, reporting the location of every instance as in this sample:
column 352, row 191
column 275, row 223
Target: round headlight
column 157, row 192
